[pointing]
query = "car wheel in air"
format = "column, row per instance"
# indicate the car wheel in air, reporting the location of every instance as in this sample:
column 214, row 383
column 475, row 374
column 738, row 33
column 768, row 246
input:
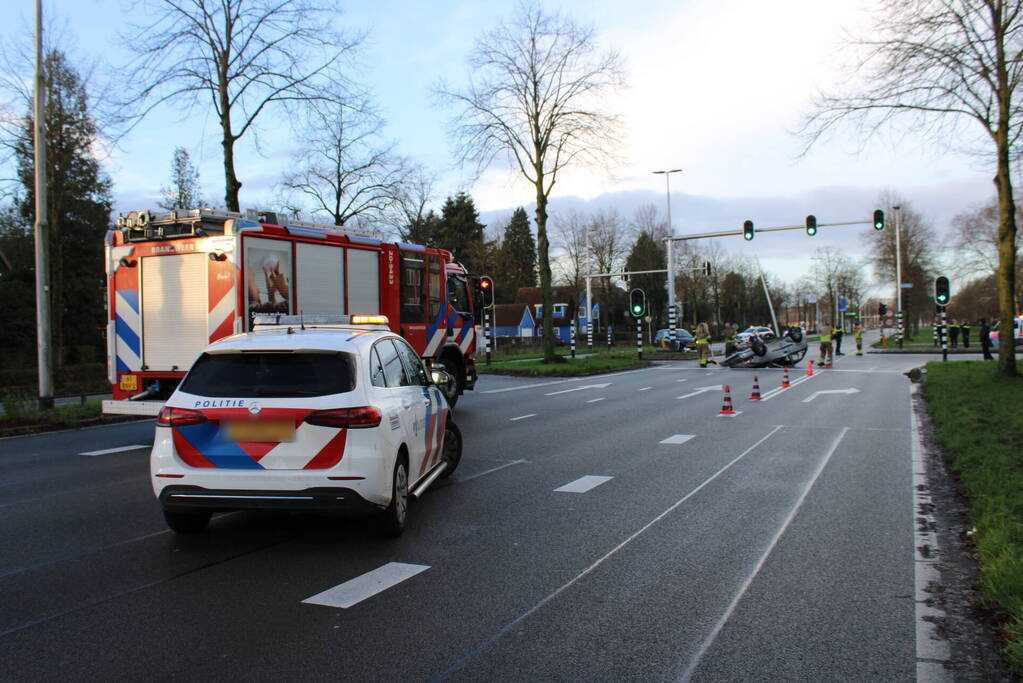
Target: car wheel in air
column 191, row 522
column 795, row 334
column 391, row 522
column 759, row 347
column 452, row 448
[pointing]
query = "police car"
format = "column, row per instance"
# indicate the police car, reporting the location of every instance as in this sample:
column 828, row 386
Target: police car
column 304, row 413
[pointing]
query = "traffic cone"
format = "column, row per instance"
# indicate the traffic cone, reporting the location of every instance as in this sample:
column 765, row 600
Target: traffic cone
column 809, row 369
column 828, row 364
column 785, row 378
column 726, row 407
column 755, row 396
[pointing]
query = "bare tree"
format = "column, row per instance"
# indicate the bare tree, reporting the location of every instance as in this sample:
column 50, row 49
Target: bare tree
column 571, row 260
column 184, row 191
column 244, row 55
column 345, row 169
column 409, row 211
column 610, row 245
column 945, row 62
column 976, row 241
column 535, row 96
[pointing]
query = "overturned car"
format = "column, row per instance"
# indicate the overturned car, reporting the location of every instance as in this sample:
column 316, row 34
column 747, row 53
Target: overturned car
column 770, row 351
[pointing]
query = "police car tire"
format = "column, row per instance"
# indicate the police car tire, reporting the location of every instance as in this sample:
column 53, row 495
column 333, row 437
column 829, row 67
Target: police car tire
column 795, row 334
column 391, row 522
column 192, row 522
column 759, row 347
column 452, row 452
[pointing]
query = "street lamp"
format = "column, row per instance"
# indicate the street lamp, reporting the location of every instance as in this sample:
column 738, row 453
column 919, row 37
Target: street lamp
column 671, row 260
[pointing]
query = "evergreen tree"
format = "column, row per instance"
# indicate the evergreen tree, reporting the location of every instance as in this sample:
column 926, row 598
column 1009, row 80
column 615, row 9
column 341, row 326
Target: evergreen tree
column 461, row 232
column 78, row 206
column 184, row 191
column 423, row 230
column 647, row 254
column 516, row 261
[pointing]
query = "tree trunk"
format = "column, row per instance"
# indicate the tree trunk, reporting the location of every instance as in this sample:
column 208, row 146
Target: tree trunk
column 542, row 248
column 231, row 184
column 1007, row 211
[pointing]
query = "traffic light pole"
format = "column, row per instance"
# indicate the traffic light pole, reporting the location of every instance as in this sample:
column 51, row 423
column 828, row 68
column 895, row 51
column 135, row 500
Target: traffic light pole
column 486, row 332
column 898, row 270
column 944, row 337
column 639, row 337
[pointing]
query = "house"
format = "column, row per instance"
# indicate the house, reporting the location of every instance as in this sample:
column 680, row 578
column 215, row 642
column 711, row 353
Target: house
column 513, row 320
column 564, row 308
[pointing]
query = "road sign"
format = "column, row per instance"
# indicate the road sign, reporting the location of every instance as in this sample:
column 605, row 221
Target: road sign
column 811, row 298
column 907, row 285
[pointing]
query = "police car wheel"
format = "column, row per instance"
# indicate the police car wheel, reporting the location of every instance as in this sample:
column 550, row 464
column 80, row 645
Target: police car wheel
column 452, row 448
column 759, row 347
column 391, row 522
column 192, row 522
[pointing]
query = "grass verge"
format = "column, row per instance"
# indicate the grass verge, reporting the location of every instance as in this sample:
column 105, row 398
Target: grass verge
column 592, row 365
column 980, row 425
column 59, row 417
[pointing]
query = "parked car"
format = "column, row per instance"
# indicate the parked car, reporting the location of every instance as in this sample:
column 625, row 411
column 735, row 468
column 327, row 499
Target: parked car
column 302, row 416
column 683, row 339
column 746, row 336
column 1017, row 332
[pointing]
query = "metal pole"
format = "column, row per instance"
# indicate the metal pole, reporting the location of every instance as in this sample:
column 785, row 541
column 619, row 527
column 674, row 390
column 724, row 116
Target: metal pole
column 44, row 353
column 486, row 332
column 609, row 337
column 944, row 336
column 898, row 270
column 589, row 300
column 571, row 331
column 671, row 255
column 639, row 337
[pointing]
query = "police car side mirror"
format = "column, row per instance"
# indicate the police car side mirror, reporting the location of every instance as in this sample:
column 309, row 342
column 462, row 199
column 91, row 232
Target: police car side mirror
column 439, row 375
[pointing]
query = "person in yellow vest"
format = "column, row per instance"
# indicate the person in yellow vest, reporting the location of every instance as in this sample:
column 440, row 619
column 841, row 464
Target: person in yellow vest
column 702, row 343
column 859, row 340
column 964, row 329
column 825, row 345
column 729, row 340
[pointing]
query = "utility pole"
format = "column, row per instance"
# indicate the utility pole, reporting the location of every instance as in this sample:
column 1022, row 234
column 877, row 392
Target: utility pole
column 671, row 257
column 44, row 354
column 898, row 272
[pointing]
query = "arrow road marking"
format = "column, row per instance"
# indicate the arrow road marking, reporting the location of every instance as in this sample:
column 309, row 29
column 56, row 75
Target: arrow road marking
column 700, row 390
column 588, row 386
column 850, row 390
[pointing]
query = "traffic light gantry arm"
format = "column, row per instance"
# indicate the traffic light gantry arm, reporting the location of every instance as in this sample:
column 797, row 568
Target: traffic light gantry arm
column 729, row 233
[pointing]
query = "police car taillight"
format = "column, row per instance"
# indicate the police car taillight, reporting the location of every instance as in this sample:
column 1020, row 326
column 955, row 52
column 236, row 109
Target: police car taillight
column 179, row 417
column 346, row 418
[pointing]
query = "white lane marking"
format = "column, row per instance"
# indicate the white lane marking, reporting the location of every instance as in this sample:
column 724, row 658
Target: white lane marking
column 601, row 560
column 682, row 380
column 119, row 449
column 850, row 390
column 645, row 389
column 794, row 383
column 356, row 590
column 701, row 390
column 588, row 386
column 565, row 381
column 930, row 645
column 676, row 439
column 594, row 400
column 583, row 484
column 522, row 417
column 492, row 470
column 712, row 636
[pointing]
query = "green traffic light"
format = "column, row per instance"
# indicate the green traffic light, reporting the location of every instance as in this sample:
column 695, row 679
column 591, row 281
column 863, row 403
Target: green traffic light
column 811, row 231
column 637, row 310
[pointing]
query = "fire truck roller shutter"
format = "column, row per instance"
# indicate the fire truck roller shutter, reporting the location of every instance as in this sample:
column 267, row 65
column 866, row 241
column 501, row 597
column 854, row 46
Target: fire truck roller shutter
column 175, row 311
column 320, row 274
column 363, row 281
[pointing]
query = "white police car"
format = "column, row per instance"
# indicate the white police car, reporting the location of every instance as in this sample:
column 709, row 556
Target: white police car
column 304, row 413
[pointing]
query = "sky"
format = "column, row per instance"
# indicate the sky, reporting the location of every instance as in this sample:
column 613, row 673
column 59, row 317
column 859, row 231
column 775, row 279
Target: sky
column 714, row 88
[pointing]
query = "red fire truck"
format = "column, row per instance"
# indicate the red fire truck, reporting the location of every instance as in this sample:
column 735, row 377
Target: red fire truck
column 178, row 281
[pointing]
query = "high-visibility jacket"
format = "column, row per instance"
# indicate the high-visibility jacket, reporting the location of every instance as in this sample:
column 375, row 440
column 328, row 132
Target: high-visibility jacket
column 825, row 337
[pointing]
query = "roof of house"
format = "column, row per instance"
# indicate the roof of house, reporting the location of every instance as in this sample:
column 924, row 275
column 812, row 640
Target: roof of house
column 509, row 314
column 534, row 295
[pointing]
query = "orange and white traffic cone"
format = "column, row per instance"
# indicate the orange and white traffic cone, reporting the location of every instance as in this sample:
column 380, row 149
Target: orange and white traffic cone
column 755, row 396
column 785, row 378
column 809, row 369
column 828, row 364
column 726, row 407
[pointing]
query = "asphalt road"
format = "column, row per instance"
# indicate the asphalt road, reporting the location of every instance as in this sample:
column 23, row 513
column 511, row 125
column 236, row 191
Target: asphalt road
column 774, row 545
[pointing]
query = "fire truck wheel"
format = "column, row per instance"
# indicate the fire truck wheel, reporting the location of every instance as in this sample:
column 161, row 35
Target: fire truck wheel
column 452, row 452
column 187, row 522
column 391, row 522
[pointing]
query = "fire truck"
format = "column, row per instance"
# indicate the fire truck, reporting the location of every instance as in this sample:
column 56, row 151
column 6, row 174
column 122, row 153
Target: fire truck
column 179, row 281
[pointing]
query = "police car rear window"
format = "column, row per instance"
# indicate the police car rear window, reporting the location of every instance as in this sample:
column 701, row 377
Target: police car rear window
column 281, row 375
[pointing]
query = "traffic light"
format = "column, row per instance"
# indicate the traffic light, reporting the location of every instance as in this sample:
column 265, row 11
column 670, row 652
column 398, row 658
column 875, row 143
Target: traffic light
column 706, row 268
column 485, row 291
column 811, row 225
column 942, row 290
column 878, row 219
column 747, row 230
column 882, row 310
column 637, row 303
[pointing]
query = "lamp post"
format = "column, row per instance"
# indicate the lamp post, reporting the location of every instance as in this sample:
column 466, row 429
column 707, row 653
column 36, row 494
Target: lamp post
column 898, row 272
column 671, row 260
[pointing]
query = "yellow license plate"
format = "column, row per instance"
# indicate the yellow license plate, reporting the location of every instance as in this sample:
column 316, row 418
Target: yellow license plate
column 260, row 431
column 129, row 382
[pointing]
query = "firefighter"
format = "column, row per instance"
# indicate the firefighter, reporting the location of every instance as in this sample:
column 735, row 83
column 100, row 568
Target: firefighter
column 836, row 334
column 953, row 333
column 729, row 340
column 859, row 340
column 702, row 343
column 825, row 346
column 964, row 329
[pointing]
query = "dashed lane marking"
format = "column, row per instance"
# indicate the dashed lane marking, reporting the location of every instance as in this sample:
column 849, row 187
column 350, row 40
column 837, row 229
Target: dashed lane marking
column 645, row 389
column 356, row 590
column 583, row 484
column 677, row 439
column 492, row 470
column 522, row 417
column 119, row 449
column 682, row 380
column 701, row 390
column 594, row 400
